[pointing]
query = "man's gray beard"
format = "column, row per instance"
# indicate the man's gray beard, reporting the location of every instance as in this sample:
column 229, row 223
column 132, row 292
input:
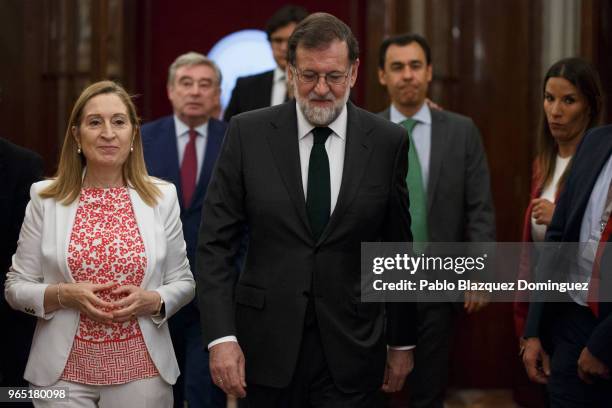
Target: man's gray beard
column 321, row 116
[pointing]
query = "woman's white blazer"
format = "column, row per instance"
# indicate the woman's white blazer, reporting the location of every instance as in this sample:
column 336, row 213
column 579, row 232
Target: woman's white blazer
column 41, row 260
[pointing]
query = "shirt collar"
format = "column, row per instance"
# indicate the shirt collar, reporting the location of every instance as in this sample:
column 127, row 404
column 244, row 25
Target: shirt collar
column 278, row 74
column 423, row 115
column 182, row 129
column 338, row 126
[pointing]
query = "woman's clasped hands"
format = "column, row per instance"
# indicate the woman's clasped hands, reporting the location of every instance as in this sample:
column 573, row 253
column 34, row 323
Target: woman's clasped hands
column 131, row 301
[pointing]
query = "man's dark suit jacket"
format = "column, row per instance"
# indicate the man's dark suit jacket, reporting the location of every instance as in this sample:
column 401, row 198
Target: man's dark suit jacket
column 161, row 157
column 250, row 93
column 258, row 182
column 459, row 202
column 19, row 168
column 591, row 155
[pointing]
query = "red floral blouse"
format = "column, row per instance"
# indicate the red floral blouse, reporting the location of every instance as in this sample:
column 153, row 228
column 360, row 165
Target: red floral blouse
column 105, row 245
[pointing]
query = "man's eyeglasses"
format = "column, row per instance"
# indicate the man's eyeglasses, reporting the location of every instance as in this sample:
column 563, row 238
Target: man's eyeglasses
column 331, row 78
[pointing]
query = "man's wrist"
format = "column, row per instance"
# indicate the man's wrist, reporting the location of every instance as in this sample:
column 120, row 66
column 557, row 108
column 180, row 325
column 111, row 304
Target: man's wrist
column 223, row 339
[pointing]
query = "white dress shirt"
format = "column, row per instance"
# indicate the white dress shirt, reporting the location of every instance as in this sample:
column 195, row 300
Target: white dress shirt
column 334, row 146
column 279, row 87
column 182, row 138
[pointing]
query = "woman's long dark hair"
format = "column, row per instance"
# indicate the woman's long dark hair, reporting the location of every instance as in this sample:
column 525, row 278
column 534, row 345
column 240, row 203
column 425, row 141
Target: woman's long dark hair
column 583, row 76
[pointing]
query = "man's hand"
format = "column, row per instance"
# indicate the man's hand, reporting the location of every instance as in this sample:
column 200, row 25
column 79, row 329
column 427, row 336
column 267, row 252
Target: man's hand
column 227, row 368
column 474, row 300
column 399, row 364
column 536, row 361
column 590, row 367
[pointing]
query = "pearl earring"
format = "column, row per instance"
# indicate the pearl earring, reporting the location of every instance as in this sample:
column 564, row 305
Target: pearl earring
column 131, row 148
column 79, row 149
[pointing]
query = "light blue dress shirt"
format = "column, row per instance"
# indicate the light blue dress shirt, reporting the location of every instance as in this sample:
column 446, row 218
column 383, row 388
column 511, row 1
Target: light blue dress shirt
column 590, row 232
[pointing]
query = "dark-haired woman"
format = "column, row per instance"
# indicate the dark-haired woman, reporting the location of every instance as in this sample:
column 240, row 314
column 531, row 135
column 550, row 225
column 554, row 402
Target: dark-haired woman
column 571, row 102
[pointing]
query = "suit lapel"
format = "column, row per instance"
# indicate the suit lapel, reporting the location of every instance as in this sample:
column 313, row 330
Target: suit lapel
column 386, row 114
column 213, row 144
column 167, row 152
column 266, row 90
column 439, row 142
column 599, row 153
column 357, row 152
column 283, row 142
column 64, row 221
column 145, row 218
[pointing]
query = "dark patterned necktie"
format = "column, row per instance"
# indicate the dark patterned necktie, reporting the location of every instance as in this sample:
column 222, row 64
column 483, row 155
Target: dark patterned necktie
column 189, row 169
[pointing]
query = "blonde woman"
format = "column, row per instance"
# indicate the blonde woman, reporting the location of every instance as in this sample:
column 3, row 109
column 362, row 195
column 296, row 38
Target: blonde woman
column 101, row 263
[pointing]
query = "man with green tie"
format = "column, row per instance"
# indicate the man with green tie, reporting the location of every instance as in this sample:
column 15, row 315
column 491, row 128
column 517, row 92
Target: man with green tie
column 310, row 180
column 450, row 196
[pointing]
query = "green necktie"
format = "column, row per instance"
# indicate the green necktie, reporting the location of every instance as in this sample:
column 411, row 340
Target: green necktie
column 318, row 193
column 416, row 191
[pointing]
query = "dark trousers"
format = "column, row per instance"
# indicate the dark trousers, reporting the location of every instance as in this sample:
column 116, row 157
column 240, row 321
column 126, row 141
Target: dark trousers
column 312, row 384
column 570, row 331
column 194, row 385
column 428, row 381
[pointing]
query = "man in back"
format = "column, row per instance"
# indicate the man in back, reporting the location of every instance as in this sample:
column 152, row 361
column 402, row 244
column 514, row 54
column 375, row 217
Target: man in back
column 450, row 196
column 268, row 88
column 182, row 148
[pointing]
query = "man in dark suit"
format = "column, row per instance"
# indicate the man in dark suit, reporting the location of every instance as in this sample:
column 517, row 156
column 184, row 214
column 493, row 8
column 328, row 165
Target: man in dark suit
column 19, row 168
column 312, row 179
column 450, row 196
column 268, row 88
column 182, row 148
column 568, row 344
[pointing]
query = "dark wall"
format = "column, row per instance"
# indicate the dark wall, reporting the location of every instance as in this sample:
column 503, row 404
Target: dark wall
column 23, row 118
column 168, row 29
column 604, row 55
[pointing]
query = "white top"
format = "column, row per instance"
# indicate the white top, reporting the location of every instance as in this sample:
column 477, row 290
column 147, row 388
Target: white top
column 182, row 138
column 538, row 231
column 279, row 87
